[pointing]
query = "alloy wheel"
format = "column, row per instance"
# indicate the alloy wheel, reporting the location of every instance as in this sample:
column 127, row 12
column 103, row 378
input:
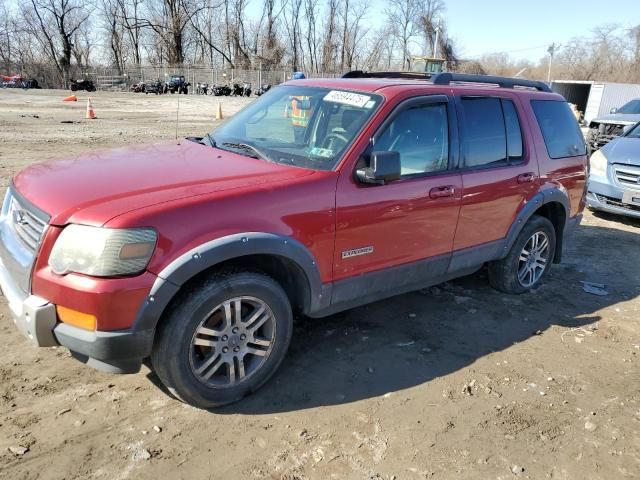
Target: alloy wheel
column 533, row 259
column 232, row 342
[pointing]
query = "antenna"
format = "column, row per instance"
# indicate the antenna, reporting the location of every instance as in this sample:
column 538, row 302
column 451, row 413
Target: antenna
column 177, row 117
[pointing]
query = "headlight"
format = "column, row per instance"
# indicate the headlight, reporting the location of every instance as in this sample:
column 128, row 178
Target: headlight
column 598, row 164
column 102, row 252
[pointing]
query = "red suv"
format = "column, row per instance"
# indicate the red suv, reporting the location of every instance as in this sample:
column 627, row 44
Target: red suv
column 319, row 196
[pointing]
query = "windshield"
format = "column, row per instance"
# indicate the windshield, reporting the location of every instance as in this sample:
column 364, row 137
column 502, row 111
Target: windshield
column 634, row 132
column 303, row 126
column 632, row 107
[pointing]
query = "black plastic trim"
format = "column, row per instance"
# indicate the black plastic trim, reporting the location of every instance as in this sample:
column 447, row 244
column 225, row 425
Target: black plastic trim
column 370, row 287
column 119, row 351
column 505, row 82
column 205, row 256
column 540, row 199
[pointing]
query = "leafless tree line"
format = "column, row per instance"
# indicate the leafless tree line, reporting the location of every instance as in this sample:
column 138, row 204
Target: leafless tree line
column 61, row 38
column 608, row 53
column 54, row 40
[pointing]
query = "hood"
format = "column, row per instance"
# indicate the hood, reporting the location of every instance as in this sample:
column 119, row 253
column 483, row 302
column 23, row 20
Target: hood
column 618, row 119
column 94, row 188
column 624, row 150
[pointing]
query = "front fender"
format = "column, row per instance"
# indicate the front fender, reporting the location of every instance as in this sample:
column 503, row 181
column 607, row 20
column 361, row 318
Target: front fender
column 197, row 260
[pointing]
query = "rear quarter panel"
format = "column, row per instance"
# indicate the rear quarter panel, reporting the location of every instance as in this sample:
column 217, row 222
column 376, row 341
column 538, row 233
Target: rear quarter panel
column 566, row 174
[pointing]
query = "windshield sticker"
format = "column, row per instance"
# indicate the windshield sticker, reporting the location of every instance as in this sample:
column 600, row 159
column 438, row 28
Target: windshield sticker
column 369, row 104
column 347, row 98
column 321, row 152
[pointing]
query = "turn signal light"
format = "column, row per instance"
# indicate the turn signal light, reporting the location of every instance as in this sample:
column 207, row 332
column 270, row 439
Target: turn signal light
column 77, row 319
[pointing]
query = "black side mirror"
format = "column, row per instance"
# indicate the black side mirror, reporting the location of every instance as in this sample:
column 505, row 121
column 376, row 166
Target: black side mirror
column 384, row 167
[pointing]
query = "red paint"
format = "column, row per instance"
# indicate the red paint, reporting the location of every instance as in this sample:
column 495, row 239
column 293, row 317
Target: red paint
column 192, row 194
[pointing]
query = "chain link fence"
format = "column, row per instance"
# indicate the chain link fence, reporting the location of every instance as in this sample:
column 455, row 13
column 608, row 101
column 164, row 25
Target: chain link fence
column 112, row 79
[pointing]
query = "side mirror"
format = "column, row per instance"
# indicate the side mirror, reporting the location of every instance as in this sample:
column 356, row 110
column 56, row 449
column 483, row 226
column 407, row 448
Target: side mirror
column 384, row 167
column 613, row 110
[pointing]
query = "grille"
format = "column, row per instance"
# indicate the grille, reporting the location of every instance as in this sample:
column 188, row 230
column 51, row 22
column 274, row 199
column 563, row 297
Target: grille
column 616, row 203
column 29, row 228
column 628, row 175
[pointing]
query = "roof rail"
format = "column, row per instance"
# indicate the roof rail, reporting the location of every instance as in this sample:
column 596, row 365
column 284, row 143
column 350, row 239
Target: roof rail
column 447, row 77
column 405, row 75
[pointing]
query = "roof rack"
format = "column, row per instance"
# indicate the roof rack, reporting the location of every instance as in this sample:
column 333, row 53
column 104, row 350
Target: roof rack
column 405, row 75
column 447, row 77
column 505, row 82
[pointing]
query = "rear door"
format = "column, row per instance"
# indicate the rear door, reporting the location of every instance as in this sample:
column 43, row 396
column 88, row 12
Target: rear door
column 499, row 170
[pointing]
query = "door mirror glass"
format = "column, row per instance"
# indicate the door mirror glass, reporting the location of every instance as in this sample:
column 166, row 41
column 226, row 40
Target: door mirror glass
column 384, row 167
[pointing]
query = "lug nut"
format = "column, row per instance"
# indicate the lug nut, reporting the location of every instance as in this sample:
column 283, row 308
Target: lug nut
column 237, row 349
column 225, row 350
column 225, row 338
column 243, row 337
column 235, row 330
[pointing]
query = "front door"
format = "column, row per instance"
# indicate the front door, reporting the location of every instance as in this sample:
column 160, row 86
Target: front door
column 389, row 229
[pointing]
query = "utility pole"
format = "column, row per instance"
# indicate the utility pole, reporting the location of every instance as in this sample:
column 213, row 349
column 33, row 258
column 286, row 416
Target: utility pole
column 553, row 48
column 435, row 44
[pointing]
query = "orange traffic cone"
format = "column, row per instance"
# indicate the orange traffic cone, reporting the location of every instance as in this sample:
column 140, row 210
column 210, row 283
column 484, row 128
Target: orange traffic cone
column 219, row 115
column 90, row 113
column 70, row 98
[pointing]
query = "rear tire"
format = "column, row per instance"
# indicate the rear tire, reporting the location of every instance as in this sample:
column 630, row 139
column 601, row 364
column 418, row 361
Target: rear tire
column 223, row 339
column 529, row 259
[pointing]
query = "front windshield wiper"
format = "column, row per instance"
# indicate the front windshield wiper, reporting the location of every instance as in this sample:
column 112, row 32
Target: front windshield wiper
column 212, row 141
column 249, row 149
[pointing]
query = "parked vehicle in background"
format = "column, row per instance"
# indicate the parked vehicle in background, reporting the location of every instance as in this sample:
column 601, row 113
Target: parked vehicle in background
column 221, row 90
column 138, row 87
column 614, row 176
column 176, row 84
column 240, row 90
column 18, row 81
column 156, row 87
column 197, row 254
column 83, row 84
column 604, row 129
column 263, row 89
column 202, row 88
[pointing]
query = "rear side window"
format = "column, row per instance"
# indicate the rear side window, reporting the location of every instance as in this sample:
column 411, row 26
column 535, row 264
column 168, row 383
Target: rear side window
column 492, row 132
column 514, row 134
column 560, row 130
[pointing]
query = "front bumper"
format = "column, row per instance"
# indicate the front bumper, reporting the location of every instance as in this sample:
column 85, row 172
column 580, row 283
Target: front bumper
column 120, row 351
column 608, row 198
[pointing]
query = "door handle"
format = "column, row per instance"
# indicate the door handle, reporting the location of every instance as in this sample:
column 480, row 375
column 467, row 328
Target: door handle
column 526, row 177
column 441, row 192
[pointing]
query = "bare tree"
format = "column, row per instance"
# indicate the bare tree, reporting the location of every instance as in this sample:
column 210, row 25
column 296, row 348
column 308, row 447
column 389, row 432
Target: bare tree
column 329, row 46
column 54, row 23
column 402, row 17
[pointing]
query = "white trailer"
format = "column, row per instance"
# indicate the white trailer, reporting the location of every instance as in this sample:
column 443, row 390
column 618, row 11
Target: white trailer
column 596, row 99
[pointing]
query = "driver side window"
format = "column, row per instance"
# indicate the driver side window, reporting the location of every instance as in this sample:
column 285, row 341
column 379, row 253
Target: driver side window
column 420, row 134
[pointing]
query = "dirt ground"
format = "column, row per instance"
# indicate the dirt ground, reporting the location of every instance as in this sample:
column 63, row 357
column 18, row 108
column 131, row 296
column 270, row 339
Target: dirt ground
column 457, row 381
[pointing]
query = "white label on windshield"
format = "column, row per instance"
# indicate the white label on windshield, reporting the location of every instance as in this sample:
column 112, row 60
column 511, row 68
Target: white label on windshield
column 348, row 98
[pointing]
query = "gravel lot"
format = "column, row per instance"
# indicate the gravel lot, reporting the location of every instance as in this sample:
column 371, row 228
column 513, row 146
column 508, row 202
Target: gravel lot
column 457, row 381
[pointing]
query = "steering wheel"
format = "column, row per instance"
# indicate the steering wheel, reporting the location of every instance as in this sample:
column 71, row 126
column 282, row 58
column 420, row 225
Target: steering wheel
column 332, row 137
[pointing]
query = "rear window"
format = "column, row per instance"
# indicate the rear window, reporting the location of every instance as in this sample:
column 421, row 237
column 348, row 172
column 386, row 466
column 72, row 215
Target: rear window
column 560, row 130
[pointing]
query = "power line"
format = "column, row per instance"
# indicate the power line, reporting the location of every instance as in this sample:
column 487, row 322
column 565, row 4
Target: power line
column 546, row 45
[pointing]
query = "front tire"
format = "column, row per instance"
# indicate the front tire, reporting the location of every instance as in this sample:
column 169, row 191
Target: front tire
column 223, row 339
column 529, row 259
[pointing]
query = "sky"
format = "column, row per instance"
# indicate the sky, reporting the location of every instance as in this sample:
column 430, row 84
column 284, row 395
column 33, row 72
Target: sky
column 526, row 29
